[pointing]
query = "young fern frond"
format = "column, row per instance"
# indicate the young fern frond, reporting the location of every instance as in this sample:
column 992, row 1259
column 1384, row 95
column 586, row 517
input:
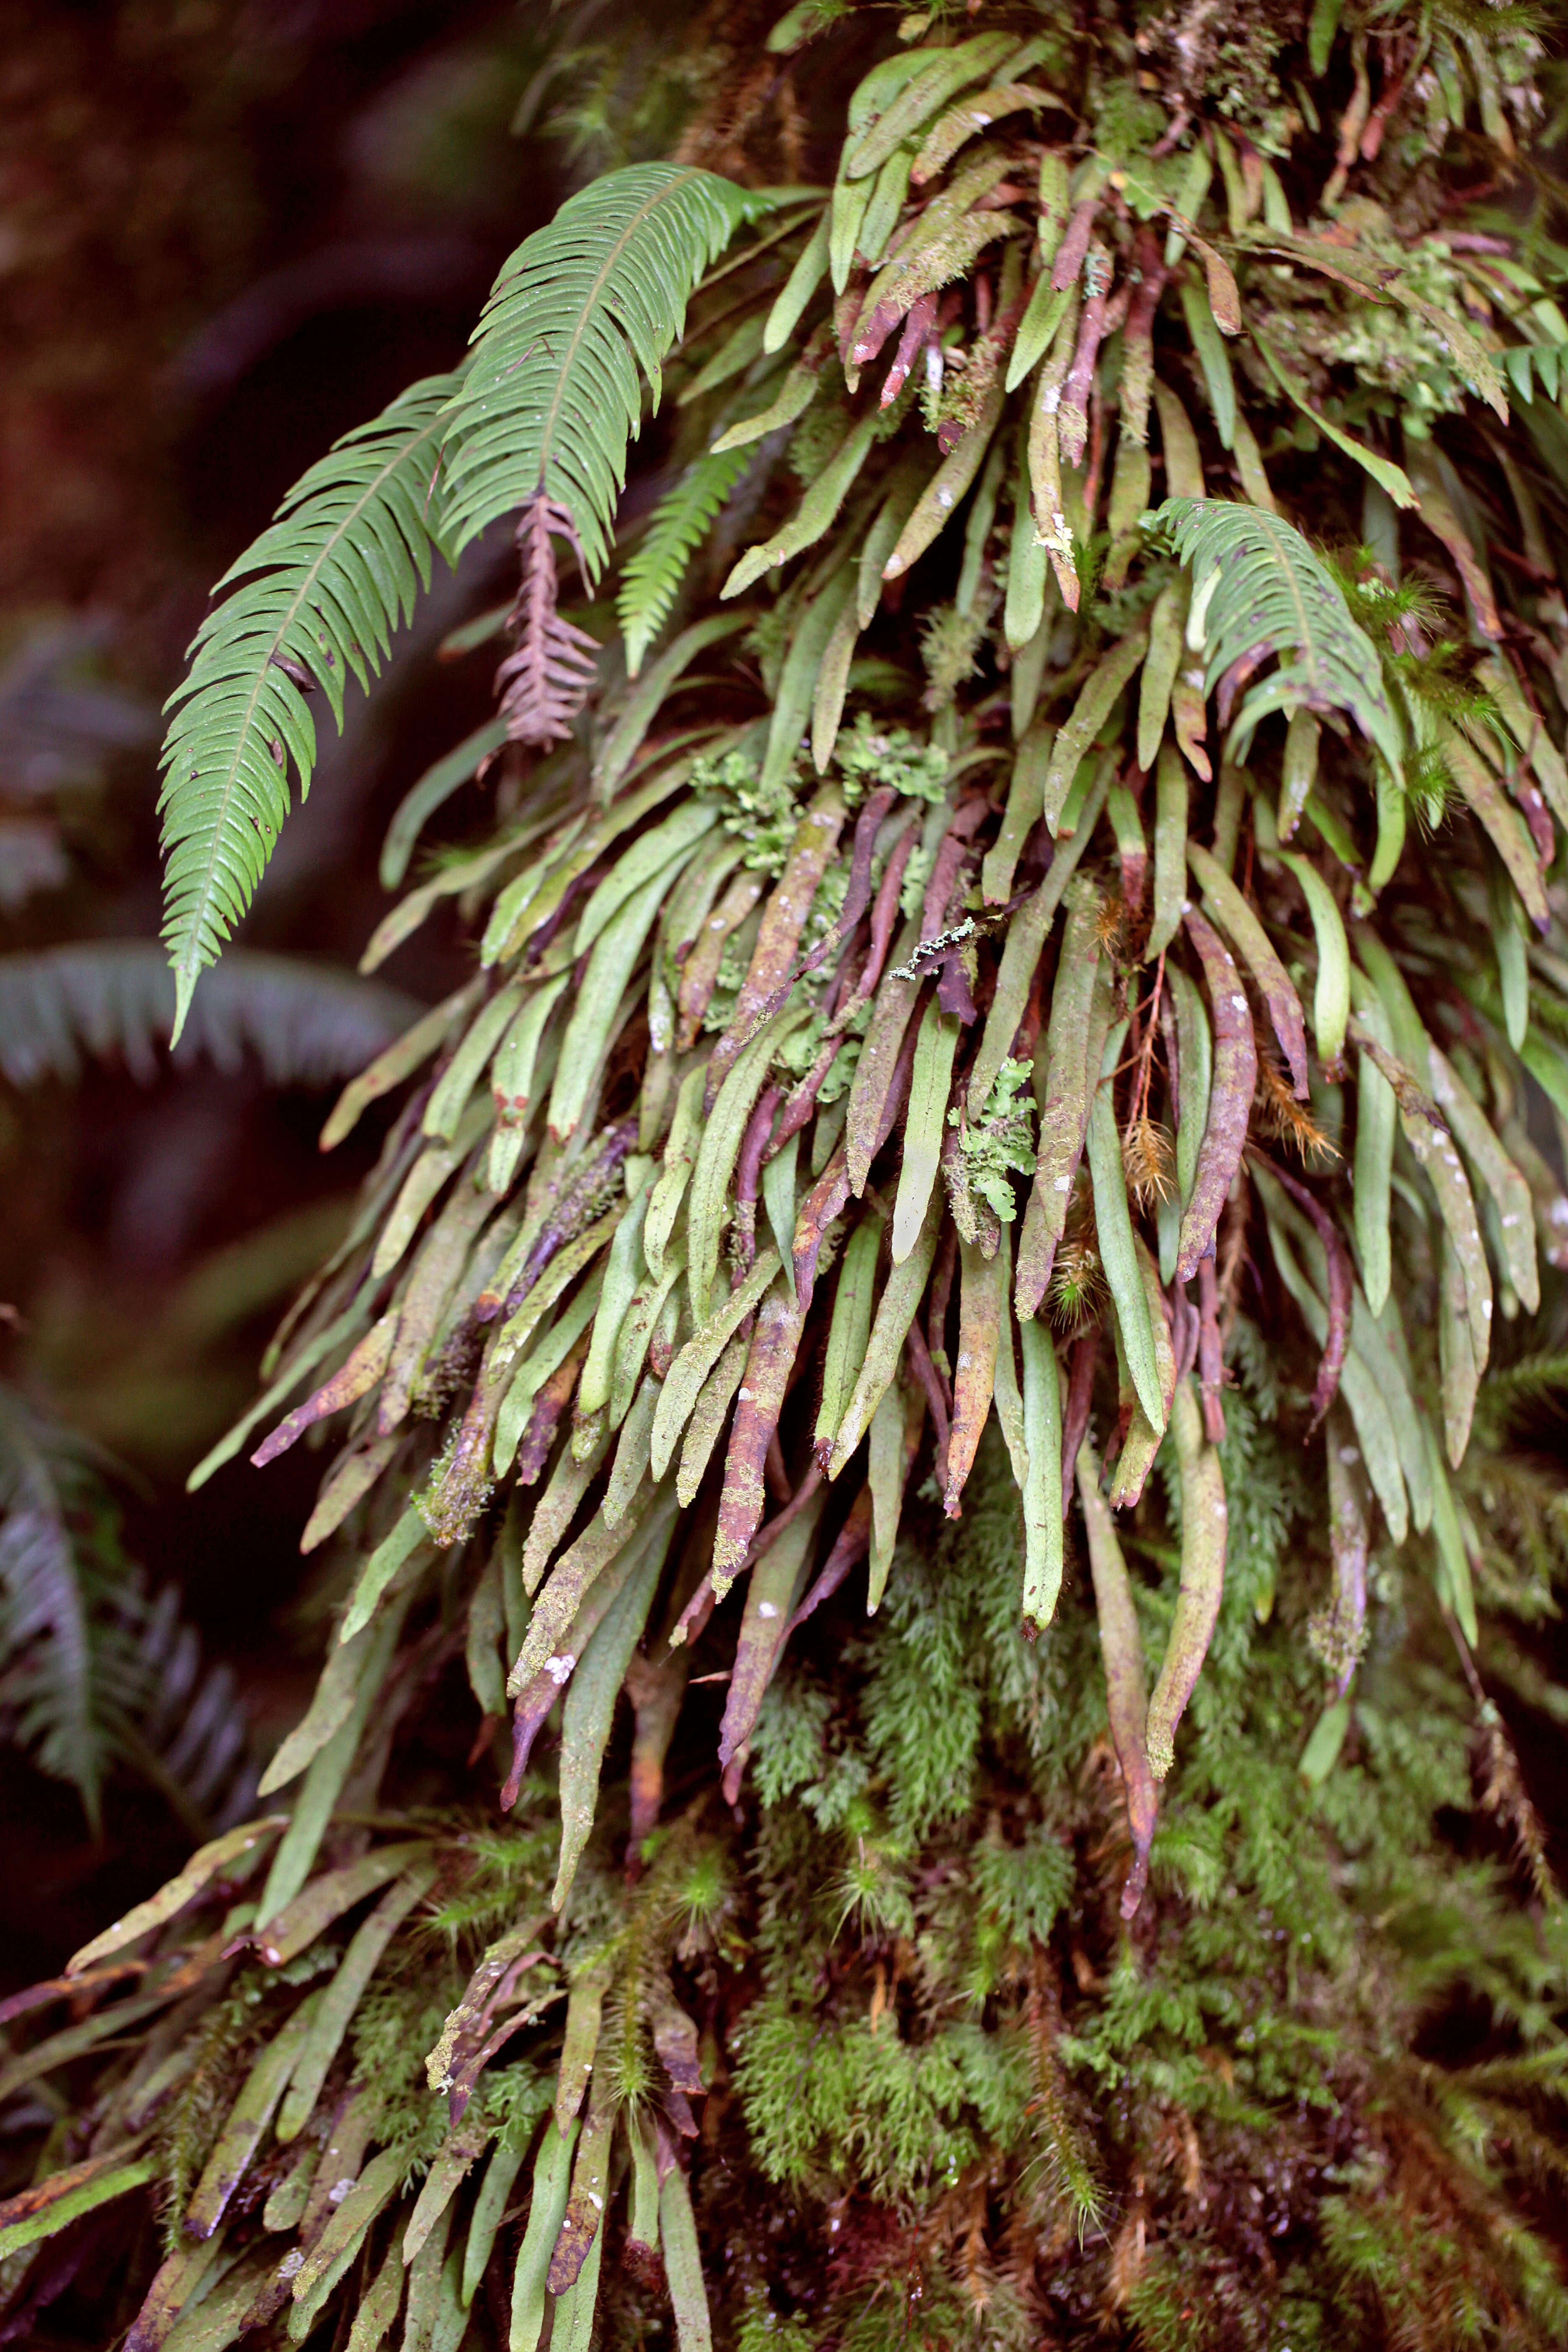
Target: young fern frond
column 323, row 589
column 552, row 396
column 653, row 575
column 1257, row 583
column 308, row 1025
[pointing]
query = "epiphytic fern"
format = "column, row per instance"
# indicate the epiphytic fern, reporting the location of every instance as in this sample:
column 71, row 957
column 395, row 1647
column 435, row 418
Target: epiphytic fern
column 171, row 1718
column 1260, row 589
column 659, row 1322
column 552, row 398
column 324, row 586
column 308, row 1025
column 551, row 395
column 653, row 573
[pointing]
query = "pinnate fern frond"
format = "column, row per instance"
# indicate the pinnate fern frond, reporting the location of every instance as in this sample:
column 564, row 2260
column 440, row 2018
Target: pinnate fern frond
column 1257, row 584
column 1533, row 1380
column 653, row 575
column 316, row 600
column 170, row 1715
column 94, row 1671
column 45, row 1668
column 307, row 1024
column 552, row 396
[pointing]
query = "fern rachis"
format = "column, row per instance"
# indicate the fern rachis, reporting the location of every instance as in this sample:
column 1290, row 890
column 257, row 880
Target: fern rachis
column 651, row 578
column 551, row 395
column 315, row 601
column 1258, row 588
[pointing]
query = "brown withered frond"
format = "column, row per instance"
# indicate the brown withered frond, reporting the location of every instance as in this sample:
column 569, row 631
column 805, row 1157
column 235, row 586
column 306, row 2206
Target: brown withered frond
column 1110, row 922
column 1148, row 1160
column 543, row 683
column 1286, row 1121
column 1505, row 1797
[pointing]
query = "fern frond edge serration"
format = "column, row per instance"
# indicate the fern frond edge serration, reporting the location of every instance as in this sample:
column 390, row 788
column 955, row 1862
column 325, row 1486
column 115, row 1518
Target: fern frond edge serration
column 552, row 396
column 316, row 599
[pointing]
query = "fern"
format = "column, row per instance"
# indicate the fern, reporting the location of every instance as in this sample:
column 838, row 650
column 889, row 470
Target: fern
column 60, row 724
column 652, row 576
column 552, row 397
column 32, row 860
column 309, row 1026
column 173, row 1720
column 552, row 400
column 93, row 1672
column 1537, row 1379
column 324, row 588
column 1257, row 583
column 45, row 1678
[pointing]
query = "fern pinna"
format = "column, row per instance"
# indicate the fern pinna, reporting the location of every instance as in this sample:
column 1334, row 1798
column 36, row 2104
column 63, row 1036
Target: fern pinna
column 898, row 1025
column 324, row 589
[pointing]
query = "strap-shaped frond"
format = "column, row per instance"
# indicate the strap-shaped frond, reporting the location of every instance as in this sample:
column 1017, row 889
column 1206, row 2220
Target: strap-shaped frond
column 308, row 1025
column 551, row 395
column 1259, row 587
column 325, row 585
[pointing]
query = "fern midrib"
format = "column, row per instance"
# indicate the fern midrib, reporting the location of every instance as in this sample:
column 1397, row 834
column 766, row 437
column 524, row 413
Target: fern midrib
column 189, row 964
column 1306, row 642
column 589, row 310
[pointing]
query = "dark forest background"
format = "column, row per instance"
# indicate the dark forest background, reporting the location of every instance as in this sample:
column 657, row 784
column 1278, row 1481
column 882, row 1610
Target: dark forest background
column 229, row 230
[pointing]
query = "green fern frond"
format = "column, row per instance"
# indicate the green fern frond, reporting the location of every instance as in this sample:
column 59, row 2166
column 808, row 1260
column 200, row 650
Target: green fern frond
column 1533, row 1378
column 552, row 396
column 308, row 1025
column 653, row 575
column 325, row 586
column 1257, row 582
column 60, row 722
column 94, row 1671
column 172, row 1718
column 46, row 1664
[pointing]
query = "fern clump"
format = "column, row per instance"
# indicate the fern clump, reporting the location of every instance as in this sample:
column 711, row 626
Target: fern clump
column 907, row 1995
column 971, row 1075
